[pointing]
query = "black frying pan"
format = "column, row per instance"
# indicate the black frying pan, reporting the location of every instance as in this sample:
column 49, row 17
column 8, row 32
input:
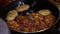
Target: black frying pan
column 34, row 5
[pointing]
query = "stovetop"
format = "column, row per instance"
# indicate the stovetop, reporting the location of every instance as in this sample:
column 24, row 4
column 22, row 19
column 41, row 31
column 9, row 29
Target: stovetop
column 53, row 30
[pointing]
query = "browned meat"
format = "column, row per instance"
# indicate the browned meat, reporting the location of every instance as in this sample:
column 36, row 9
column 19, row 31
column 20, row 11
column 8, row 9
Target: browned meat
column 14, row 25
column 49, row 20
column 23, row 20
column 35, row 22
column 35, row 16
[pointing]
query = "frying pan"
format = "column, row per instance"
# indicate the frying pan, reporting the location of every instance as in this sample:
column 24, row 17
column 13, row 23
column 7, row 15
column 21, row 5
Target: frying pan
column 34, row 5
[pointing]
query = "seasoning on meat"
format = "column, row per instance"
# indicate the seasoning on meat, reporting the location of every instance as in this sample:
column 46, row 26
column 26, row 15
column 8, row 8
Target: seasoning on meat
column 49, row 20
column 36, row 16
column 13, row 25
